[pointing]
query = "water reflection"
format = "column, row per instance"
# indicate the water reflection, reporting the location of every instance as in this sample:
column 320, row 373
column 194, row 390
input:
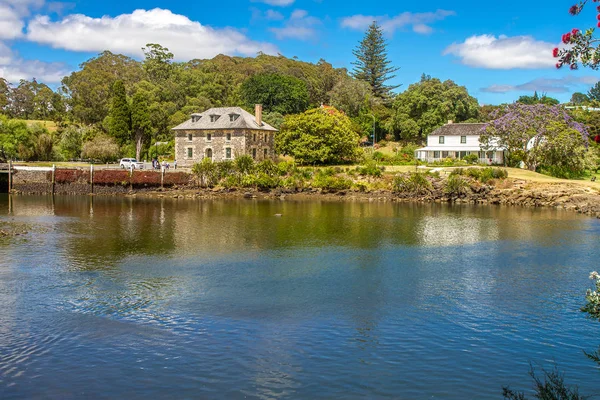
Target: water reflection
column 223, row 299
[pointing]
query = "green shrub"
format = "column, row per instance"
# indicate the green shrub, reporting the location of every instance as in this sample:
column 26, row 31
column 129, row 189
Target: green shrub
column 413, row 183
column 378, row 156
column 225, row 168
column 267, row 167
column 286, row 168
column 370, row 169
column 230, row 181
column 264, row 181
column 471, row 158
column 456, row 185
column 206, row 173
column 457, row 171
column 560, row 172
column 329, row 182
column 244, row 164
column 360, row 186
column 486, row 174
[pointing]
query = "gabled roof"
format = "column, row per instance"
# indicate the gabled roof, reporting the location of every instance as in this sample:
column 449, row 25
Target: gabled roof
column 459, row 130
column 244, row 121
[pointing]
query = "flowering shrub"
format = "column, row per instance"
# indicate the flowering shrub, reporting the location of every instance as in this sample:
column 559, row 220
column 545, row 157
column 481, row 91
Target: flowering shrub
column 582, row 46
column 592, row 297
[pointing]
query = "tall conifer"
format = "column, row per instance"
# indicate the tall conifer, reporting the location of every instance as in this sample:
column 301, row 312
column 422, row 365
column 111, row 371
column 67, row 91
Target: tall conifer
column 119, row 123
column 372, row 64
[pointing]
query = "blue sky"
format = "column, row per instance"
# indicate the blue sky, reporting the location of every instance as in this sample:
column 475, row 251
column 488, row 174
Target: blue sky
column 498, row 50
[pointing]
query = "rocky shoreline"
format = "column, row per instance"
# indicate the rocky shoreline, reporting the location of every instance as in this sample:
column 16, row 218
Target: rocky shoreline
column 513, row 192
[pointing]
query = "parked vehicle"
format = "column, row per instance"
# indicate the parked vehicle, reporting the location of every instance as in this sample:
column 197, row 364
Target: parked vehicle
column 127, row 163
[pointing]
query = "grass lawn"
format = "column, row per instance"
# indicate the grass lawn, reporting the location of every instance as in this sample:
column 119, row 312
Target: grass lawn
column 50, row 125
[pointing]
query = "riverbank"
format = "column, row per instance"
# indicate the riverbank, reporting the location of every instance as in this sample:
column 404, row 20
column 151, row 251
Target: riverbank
column 364, row 183
column 513, row 192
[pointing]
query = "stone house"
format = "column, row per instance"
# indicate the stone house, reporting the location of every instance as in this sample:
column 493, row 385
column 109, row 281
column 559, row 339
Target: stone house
column 224, row 133
column 456, row 141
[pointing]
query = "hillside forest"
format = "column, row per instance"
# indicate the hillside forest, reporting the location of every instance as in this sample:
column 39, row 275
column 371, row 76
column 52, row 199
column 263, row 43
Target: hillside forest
column 115, row 106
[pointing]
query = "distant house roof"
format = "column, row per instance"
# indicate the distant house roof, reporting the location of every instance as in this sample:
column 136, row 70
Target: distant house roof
column 458, row 130
column 221, row 119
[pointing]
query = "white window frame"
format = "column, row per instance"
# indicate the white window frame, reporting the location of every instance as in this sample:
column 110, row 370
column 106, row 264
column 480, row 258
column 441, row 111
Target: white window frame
column 441, row 140
column 461, row 139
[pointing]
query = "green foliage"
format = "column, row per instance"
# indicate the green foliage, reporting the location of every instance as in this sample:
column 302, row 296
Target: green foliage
column 158, row 62
column 579, row 99
column 119, row 123
column 456, row 185
column 562, row 152
column 352, row 96
column 102, row 148
column 277, row 93
column 482, row 174
column 267, row 167
column 206, row 172
column 429, row 104
column 322, row 135
column 552, row 387
column 140, row 121
column 71, row 141
column 536, row 99
column 372, row 64
column 594, row 93
column 370, row 168
column 471, row 158
column 326, row 180
column 244, row 164
column 414, row 183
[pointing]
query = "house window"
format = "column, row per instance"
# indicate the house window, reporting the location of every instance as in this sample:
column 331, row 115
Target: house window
column 444, row 154
column 266, row 153
column 228, row 152
column 214, row 118
column 482, row 154
column 254, row 137
column 233, row 117
column 436, row 154
column 253, row 153
column 228, row 136
column 208, row 137
column 190, row 152
column 209, row 153
column 189, row 137
column 463, row 139
column 441, row 140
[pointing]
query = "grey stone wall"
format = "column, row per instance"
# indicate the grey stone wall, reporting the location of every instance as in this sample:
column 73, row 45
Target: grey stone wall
column 242, row 142
column 32, row 181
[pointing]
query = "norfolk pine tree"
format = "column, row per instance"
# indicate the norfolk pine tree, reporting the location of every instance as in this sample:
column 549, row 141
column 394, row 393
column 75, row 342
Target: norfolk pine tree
column 372, row 64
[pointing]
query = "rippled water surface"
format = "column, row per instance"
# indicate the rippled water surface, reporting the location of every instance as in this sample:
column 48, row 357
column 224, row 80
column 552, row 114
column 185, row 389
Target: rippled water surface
column 131, row 298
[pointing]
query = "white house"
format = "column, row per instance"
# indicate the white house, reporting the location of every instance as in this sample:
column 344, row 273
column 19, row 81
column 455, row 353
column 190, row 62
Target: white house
column 456, row 141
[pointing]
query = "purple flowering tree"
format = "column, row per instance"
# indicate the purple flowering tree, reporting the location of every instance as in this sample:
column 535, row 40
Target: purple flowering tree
column 582, row 46
column 528, row 133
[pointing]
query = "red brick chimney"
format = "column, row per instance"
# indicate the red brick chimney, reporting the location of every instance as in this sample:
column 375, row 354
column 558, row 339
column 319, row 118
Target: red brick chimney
column 258, row 114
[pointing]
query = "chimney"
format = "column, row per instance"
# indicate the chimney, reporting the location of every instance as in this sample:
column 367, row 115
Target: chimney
column 258, row 114
column 450, row 122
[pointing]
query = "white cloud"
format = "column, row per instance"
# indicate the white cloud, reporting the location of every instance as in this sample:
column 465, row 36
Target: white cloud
column 420, row 22
column 14, row 68
column 273, row 15
column 300, row 26
column 545, row 85
column 128, row 33
column 278, row 3
column 488, row 51
column 11, row 24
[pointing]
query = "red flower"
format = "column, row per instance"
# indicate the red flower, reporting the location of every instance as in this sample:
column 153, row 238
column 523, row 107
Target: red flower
column 555, row 52
column 573, row 66
column 599, row 24
column 575, row 31
column 574, row 10
column 566, row 38
column 558, row 65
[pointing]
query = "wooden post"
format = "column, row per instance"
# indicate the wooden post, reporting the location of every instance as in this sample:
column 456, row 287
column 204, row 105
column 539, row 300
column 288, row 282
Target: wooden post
column 92, row 178
column 162, row 176
column 9, row 176
column 53, row 177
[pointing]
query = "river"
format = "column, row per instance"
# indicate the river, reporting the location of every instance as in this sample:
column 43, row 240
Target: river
column 163, row 298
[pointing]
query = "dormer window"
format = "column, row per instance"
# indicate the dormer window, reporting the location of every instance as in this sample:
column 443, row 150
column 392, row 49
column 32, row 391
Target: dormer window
column 233, row 117
column 214, row 118
column 196, row 117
